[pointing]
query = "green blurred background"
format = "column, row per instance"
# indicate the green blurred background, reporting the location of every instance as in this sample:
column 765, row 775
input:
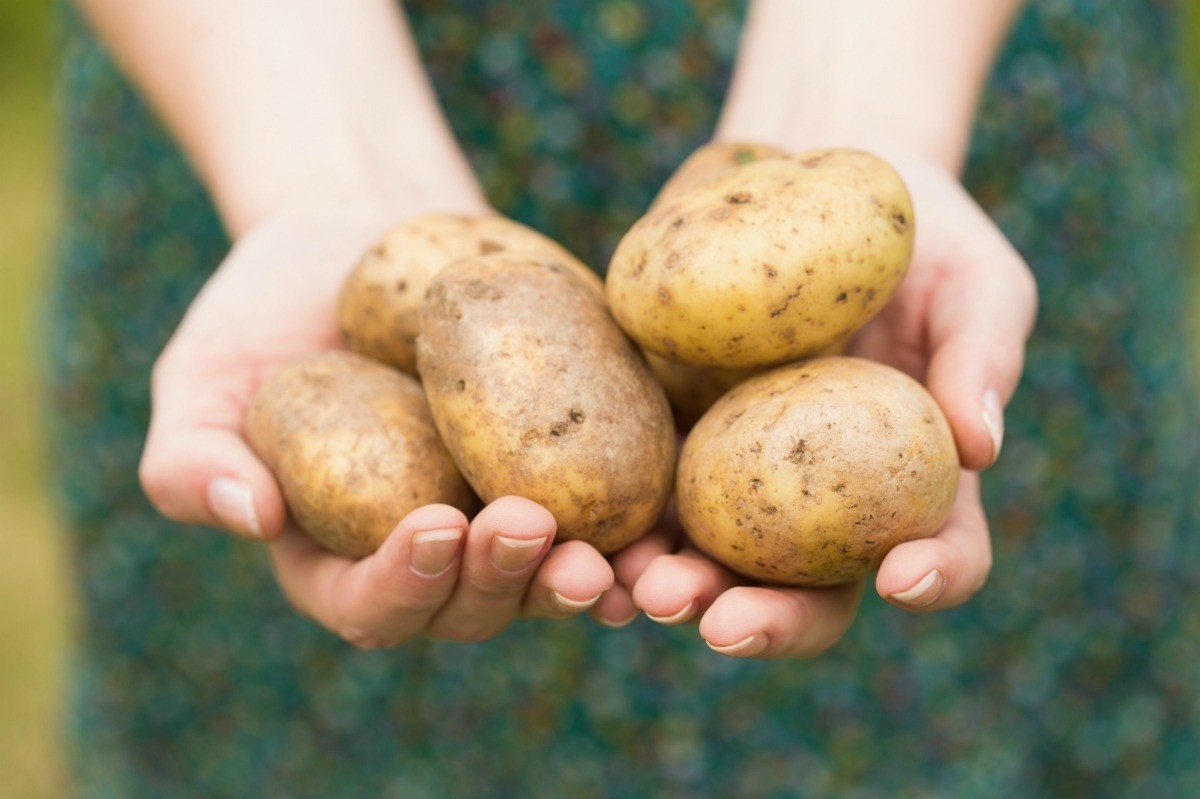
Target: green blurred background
column 35, row 604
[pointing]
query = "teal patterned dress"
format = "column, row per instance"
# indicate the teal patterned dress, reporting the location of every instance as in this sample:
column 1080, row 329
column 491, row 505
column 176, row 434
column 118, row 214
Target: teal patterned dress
column 1076, row 672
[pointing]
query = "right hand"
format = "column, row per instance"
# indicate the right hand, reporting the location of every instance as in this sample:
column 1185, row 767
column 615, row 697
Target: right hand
column 270, row 301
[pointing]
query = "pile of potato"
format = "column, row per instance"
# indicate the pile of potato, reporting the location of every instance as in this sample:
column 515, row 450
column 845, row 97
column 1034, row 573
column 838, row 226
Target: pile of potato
column 805, row 473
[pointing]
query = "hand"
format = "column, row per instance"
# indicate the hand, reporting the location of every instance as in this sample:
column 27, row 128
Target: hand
column 958, row 322
column 271, row 300
column 437, row 575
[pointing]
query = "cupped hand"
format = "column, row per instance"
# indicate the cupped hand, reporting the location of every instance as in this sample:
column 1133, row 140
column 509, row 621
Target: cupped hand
column 438, row 575
column 271, row 300
column 958, row 323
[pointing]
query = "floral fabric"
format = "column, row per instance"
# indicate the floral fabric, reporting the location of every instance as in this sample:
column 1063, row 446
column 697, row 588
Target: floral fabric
column 1074, row 673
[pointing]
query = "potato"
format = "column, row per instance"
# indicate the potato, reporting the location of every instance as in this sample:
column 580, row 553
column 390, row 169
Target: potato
column 381, row 299
column 353, row 446
column 692, row 390
column 772, row 262
column 811, row 473
column 710, row 162
column 536, row 392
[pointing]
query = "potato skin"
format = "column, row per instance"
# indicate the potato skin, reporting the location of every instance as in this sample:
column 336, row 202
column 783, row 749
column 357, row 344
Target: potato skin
column 380, row 301
column 692, row 390
column 773, row 262
column 711, row 162
column 811, row 473
column 354, row 448
column 537, row 393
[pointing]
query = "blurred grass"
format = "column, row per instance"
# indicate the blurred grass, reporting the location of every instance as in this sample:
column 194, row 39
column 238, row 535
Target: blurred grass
column 33, row 596
column 1190, row 58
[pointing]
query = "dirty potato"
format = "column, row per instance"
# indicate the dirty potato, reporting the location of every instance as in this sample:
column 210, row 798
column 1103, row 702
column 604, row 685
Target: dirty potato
column 354, row 448
column 537, row 393
column 381, row 299
column 692, row 390
column 809, row 474
column 711, row 162
column 773, row 262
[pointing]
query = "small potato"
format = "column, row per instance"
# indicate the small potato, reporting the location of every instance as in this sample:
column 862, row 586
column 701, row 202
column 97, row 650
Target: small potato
column 711, row 162
column 773, row 262
column 381, row 299
column 692, row 390
column 354, row 448
column 537, row 393
column 811, row 473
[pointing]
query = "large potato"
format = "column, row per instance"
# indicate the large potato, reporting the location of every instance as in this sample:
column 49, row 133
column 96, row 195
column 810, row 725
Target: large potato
column 353, row 446
column 811, row 473
column 536, row 392
column 712, row 162
column 692, row 390
column 775, row 261
column 381, row 299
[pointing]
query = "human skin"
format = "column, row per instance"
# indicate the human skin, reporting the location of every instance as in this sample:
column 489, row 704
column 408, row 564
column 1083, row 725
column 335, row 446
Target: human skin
column 314, row 129
column 900, row 80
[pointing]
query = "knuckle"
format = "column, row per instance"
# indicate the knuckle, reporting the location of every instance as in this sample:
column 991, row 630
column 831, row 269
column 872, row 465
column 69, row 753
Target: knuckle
column 499, row 590
column 418, row 605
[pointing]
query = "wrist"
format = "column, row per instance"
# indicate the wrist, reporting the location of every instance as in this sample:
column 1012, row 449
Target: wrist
column 879, row 76
column 891, row 140
column 394, row 185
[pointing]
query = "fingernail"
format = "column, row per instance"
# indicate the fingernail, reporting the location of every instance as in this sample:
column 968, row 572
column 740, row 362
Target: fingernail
column 748, row 647
column 574, row 605
column 618, row 623
column 675, row 618
column 925, row 592
column 232, row 502
column 993, row 420
column 432, row 552
column 514, row 554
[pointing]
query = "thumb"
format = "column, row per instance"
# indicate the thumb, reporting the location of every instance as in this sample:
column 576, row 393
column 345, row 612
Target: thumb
column 978, row 351
column 199, row 471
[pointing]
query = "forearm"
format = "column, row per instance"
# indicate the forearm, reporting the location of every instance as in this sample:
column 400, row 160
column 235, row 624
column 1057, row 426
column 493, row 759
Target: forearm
column 863, row 72
column 282, row 104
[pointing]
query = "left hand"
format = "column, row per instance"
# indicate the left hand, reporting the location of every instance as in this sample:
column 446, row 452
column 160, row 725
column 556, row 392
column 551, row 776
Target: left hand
column 958, row 323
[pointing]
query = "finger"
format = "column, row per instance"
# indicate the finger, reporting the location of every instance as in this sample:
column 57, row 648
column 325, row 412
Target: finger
column 196, row 468
column 615, row 608
column 753, row 621
column 977, row 347
column 630, row 562
column 570, row 580
column 676, row 589
column 211, row 477
column 385, row 598
column 946, row 570
column 506, row 543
